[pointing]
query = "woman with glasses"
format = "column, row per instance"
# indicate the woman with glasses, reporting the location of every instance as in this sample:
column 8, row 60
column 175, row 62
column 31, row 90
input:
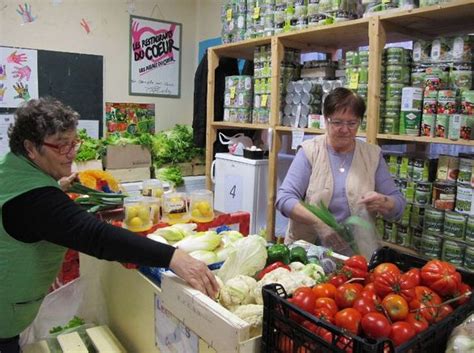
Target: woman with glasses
column 348, row 175
column 38, row 221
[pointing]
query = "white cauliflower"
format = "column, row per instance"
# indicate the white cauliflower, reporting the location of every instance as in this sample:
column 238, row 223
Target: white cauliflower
column 237, row 291
column 290, row 280
column 252, row 313
column 296, row 266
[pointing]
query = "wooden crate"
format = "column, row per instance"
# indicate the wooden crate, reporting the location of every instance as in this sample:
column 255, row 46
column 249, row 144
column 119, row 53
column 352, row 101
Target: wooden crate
column 186, row 168
column 214, row 324
column 133, row 174
column 199, row 169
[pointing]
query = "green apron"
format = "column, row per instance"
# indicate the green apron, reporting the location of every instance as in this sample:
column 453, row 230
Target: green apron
column 27, row 270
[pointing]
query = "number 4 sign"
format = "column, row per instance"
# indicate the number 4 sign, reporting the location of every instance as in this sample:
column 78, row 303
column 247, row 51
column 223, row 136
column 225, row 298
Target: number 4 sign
column 233, row 193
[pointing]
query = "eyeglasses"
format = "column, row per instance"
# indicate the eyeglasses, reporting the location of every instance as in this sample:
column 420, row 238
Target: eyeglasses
column 352, row 125
column 65, row 149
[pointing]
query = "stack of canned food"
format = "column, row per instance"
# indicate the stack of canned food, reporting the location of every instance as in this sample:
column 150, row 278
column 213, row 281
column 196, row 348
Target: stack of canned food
column 357, row 76
column 233, row 18
column 438, row 221
column 395, row 75
column 238, row 97
column 303, row 99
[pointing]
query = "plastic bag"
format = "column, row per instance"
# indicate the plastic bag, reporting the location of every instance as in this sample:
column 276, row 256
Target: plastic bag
column 462, row 337
column 236, row 143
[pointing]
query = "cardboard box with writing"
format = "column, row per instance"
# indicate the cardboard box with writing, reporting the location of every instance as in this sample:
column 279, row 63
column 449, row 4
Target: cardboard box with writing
column 128, row 162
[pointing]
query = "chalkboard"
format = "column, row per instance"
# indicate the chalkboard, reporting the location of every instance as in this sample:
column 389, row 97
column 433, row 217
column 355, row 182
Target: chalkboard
column 74, row 79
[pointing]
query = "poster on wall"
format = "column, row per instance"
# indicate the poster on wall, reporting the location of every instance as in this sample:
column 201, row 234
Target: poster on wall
column 155, row 58
column 18, row 76
column 129, row 117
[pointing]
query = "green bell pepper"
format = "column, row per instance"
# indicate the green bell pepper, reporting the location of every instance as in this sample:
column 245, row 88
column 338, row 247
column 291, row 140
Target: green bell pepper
column 298, row 254
column 278, row 252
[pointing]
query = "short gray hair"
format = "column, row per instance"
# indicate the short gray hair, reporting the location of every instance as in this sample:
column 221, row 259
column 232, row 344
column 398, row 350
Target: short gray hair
column 37, row 119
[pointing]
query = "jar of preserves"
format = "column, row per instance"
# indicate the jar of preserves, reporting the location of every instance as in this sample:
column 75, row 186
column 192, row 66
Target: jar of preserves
column 138, row 217
column 175, row 208
column 202, row 208
column 152, row 187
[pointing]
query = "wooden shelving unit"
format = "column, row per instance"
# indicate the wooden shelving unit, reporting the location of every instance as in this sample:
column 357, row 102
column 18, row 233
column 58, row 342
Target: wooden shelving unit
column 424, row 23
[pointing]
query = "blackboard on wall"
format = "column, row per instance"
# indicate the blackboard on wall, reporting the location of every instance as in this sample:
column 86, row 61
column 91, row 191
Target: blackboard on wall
column 75, row 79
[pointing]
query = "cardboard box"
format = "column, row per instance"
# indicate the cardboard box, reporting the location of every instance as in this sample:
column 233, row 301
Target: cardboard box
column 186, row 168
column 95, row 164
column 217, row 326
column 199, row 169
column 127, row 157
column 131, row 174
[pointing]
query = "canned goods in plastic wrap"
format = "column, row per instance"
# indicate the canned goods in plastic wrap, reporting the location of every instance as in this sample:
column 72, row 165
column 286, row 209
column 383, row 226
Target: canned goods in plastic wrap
column 397, row 74
column 454, row 224
column 244, row 115
column 244, row 100
column 453, row 252
column 470, row 230
column 464, row 199
column 433, row 220
column 469, row 258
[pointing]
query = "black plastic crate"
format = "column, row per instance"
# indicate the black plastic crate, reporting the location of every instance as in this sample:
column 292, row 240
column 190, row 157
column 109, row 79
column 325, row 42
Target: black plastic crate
column 283, row 333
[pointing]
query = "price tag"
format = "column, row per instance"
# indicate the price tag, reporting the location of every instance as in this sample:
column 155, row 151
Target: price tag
column 233, row 189
column 264, row 100
column 232, row 92
column 256, row 12
column 354, row 80
column 229, row 14
column 297, row 136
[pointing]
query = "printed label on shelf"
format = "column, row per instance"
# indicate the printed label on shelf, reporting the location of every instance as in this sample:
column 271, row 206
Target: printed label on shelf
column 256, row 12
column 232, row 92
column 229, row 14
column 264, row 100
column 354, row 80
column 297, row 138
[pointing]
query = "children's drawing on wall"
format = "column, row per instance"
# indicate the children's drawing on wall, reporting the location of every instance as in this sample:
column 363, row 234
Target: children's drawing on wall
column 18, row 76
column 130, row 118
column 25, row 12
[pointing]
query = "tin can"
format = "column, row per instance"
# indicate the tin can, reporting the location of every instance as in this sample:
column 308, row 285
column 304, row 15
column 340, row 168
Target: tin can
column 433, row 220
column 420, row 169
column 453, row 252
column 394, row 90
column 416, row 235
column 406, row 167
column 431, row 245
column 442, row 125
column 454, row 131
column 469, row 236
column 444, row 195
column 390, row 232
column 454, row 224
column 405, row 218
column 403, row 236
column 469, row 258
column 410, row 191
column 423, row 193
column 428, row 123
column 464, row 199
column 394, row 55
column 417, row 216
column 244, row 115
column 448, row 168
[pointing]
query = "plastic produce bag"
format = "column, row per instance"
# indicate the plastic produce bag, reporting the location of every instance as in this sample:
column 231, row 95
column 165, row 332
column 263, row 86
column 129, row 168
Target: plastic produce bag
column 462, row 337
column 236, row 143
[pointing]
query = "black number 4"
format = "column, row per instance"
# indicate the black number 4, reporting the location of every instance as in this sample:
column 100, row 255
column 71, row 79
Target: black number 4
column 232, row 191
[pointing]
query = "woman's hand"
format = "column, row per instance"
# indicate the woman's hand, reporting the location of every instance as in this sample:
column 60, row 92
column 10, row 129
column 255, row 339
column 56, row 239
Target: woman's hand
column 195, row 272
column 66, row 182
column 377, row 203
column 331, row 240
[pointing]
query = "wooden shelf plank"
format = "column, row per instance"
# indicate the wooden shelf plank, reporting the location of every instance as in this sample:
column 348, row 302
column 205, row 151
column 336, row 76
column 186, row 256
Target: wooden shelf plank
column 230, row 125
column 241, row 50
column 425, row 139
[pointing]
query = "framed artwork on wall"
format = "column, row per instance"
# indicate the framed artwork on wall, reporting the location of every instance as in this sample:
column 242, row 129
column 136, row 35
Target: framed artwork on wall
column 155, row 57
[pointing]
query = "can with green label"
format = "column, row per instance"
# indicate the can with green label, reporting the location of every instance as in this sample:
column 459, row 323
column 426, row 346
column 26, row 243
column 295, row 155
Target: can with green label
column 423, row 193
column 454, row 224
column 469, row 258
column 390, row 232
column 431, row 245
column 470, row 230
column 417, row 216
column 453, row 252
column 433, row 220
column 464, row 199
column 444, row 195
column 410, row 191
column 466, row 166
column 416, row 234
column 420, row 169
column 405, row 218
column 403, row 236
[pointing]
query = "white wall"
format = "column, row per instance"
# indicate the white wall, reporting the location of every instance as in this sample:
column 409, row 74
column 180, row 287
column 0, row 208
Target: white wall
column 58, row 28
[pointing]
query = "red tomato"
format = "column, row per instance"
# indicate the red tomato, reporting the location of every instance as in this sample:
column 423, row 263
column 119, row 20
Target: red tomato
column 385, row 267
column 370, row 286
column 375, row 325
column 402, row 332
column 346, row 294
column 443, row 311
column 370, row 294
column 324, row 314
column 355, row 267
column 304, row 300
column 441, row 277
column 390, row 282
column 327, row 303
column 302, row 290
column 324, row 290
column 425, row 301
column 364, row 305
column 396, row 306
column 462, row 289
column 418, row 321
column 348, row 319
column 337, row 279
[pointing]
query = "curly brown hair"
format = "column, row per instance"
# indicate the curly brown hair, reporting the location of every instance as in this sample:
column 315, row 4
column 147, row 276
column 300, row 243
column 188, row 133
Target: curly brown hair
column 341, row 100
column 37, row 119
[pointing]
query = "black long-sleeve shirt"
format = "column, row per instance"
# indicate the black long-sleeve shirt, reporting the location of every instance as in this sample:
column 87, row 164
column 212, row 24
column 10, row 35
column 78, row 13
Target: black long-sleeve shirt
column 48, row 214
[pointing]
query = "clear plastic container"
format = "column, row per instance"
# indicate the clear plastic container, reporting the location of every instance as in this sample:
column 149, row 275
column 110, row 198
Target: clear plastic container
column 138, row 217
column 175, row 208
column 154, row 203
column 202, row 207
column 152, row 187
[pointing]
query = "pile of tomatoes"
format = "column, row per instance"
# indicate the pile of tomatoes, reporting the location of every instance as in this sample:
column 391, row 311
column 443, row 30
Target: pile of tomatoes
column 382, row 303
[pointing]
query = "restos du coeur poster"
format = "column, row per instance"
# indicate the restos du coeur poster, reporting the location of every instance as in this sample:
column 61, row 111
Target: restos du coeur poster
column 155, row 57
